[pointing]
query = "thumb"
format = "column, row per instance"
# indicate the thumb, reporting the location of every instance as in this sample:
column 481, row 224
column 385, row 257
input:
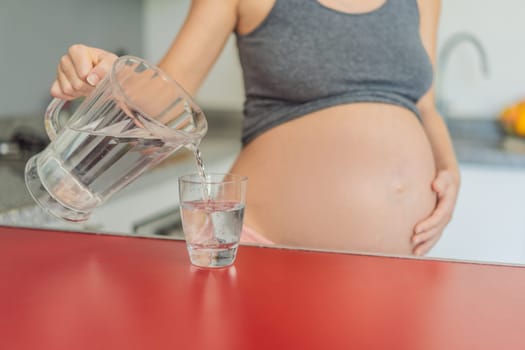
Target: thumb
column 101, row 69
column 439, row 184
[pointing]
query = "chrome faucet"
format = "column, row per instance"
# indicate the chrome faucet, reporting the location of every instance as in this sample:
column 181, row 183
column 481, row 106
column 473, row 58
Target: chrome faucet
column 444, row 56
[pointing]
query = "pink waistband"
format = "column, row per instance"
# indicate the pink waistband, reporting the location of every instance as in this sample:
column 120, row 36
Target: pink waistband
column 249, row 235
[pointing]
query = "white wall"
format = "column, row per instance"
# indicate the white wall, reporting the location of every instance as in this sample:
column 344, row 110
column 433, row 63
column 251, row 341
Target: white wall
column 500, row 27
column 34, row 34
column 498, row 24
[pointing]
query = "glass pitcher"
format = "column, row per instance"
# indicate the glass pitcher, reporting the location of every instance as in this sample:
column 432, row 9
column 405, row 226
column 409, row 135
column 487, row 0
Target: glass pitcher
column 135, row 118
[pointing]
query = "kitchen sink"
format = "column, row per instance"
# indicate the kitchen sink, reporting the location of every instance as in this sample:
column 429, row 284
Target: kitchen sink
column 483, row 141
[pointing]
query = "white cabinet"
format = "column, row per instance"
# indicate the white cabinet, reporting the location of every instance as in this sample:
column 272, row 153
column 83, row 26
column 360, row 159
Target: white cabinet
column 489, row 221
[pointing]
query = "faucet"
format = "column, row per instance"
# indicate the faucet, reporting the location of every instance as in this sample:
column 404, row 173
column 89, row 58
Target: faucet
column 444, row 56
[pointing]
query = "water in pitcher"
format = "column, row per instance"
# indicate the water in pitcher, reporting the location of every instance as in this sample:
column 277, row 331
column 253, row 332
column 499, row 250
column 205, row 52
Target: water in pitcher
column 86, row 164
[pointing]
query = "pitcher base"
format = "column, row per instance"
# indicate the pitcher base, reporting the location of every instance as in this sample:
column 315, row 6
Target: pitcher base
column 45, row 200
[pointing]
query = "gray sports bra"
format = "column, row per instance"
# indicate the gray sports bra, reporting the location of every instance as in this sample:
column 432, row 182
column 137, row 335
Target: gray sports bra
column 305, row 57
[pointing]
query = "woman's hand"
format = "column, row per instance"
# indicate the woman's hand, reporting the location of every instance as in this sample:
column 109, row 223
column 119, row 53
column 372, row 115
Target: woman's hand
column 80, row 70
column 428, row 231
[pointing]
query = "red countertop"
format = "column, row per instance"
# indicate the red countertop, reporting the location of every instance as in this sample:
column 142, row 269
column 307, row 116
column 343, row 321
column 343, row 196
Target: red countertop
column 61, row 290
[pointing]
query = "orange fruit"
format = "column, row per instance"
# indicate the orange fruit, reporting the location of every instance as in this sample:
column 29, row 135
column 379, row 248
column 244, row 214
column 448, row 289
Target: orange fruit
column 513, row 119
column 519, row 125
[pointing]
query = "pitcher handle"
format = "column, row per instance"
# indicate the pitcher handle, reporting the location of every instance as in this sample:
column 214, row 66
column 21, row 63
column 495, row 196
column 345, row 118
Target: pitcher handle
column 51, row 118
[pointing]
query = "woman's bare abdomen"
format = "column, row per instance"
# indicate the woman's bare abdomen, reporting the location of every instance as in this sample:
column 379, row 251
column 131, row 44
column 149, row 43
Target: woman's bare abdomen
column 351, row 177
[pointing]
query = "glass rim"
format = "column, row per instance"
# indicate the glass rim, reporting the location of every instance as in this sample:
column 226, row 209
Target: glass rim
column 211, row 178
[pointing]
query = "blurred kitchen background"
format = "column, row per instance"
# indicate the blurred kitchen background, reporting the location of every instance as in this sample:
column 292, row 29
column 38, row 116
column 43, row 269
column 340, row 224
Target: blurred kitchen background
column 480, row 72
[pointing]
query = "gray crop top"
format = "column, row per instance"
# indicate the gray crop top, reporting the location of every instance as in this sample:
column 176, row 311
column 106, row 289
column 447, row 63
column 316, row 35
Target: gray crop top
column 305, row 57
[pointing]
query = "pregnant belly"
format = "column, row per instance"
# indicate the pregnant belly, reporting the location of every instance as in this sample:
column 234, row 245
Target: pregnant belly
column 352, row 177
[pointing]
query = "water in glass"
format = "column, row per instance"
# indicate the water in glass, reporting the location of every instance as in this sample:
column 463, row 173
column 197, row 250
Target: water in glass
column 212, row 230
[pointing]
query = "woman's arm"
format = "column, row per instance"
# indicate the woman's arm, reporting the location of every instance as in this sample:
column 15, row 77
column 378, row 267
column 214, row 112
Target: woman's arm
column 446, row 183
column 200, row 41
column 432, row 120
column 193, row 52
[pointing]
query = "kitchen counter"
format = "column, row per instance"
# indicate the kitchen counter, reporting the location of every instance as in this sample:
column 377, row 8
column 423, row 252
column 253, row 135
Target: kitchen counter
column 12, row 187
column 64, row 290
column 475, row 141
column 481, row 142
column 219, row 149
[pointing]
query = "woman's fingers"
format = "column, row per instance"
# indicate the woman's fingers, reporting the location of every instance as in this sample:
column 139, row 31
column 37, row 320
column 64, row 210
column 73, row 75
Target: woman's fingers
column 424, row 247
column 441, row 214
column 66, row 89
column 83, row 60
column 56, row 91
column 428, row 231
column 103, row 63
column 80, row 70
column 70, row 71
column 424, row 236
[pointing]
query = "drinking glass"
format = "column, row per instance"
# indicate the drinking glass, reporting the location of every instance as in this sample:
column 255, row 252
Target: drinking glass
column 212, row 211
